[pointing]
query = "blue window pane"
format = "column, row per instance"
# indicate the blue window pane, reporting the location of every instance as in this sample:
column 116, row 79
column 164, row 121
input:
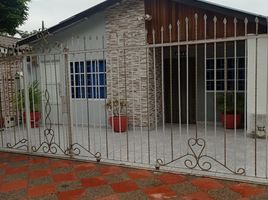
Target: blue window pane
column 82, row 79
column 102, row 80
column 102, row 66
column 220, row 74
column 73, row 92
column 82, row 68
column 89, row 82
column 102, row 92
column 210, row 64
column 76, row 67
column 71, row 67
column 83, row 92
column 220, row 85
column 241, row 74
column 230, row 74
column 77, row 80
column 77, row 92
column 210, row 75
column 88, row 66
column 230, row 63
column 220, row 64
column 72, row 80
column 210, row 85
column 241, row 85
column 89, row 92
column 230, row 85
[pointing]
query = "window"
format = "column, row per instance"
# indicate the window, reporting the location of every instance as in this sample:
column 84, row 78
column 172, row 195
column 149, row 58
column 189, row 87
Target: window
column 240, row 76
column 88, row 81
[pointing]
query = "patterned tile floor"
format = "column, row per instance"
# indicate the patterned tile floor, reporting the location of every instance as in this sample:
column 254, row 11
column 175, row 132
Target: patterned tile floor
column 28, row 177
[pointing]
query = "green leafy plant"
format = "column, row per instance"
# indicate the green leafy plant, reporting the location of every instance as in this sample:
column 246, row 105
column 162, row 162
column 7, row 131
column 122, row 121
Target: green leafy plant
column 230, row 103
column 35, row 98
column 117, row 107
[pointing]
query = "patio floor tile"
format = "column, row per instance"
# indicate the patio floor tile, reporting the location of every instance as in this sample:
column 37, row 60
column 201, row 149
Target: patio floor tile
column 41, row 190
column 39, row 173
column 93, row 182
column 171, row 178
column 109, row 170
column 71, row 195
column 64, row 177
column 247, row 190
column 16, row 170
column 160, row 192
column 126, row 186
column 11, row 186
column 139, row 174
column 207, row 183
column 198, row 196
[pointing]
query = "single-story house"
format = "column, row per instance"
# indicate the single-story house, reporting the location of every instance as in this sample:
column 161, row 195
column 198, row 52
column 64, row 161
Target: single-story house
column 113, row 36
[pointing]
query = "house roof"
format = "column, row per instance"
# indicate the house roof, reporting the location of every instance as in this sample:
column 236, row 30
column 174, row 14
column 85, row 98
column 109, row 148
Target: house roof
column 6, row 41
column 102, row 6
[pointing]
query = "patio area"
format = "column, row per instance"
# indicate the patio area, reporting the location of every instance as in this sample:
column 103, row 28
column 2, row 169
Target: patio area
column 30, row 177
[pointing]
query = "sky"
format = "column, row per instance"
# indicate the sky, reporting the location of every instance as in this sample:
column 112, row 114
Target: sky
column 54, row 11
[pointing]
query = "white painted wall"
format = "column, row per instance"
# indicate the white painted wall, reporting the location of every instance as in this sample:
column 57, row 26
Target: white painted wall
column 87, row 34
column 262, row 66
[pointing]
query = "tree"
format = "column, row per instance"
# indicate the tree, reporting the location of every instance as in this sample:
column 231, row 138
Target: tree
column 13, row 13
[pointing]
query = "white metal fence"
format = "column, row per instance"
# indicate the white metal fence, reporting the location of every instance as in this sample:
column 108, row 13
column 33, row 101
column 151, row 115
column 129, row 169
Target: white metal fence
column 171, row 97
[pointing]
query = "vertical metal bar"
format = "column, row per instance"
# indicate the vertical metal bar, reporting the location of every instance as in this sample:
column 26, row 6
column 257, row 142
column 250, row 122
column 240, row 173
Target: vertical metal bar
column 125, row 84
column 266, row 135
column 245, row 98
column 155, row 98
column 141, row 119
column 215, row 86
column 196, row 77
column 87, row 93
column 133, row 113
column 235, row 91
column 187, row 79
column 57, row 98
column 99, row 98
column 27, row 103
column 148, row 96
column 68, row 102
column 93, row 89
column 205, row 74
column 179, row 83
column 171, row 92
column 119, row 99
column 38, row 65
column 105, row 90
column 225, row 90
column 163, row 91
column 256, row 95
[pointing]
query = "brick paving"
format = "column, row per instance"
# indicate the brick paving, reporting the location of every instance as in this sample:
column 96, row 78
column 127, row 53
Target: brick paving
column 28, row 177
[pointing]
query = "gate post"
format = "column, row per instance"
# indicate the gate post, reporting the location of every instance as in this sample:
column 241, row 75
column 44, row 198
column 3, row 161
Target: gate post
column 68, row 102
column 27, row 103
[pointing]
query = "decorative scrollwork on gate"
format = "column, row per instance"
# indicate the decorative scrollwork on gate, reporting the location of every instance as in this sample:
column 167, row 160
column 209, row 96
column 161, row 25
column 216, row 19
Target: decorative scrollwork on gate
column 19, row 145
column 77, row 148
column 48, row 146
column 196, row 159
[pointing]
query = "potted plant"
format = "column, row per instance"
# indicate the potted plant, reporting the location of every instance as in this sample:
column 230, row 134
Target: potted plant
column 231, row 116
column 118, row 120
column 35, row 99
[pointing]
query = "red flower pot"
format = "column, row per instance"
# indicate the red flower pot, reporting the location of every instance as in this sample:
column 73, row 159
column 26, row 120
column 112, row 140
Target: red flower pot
column 119, row 123
column 35, row 119
column 230, row 119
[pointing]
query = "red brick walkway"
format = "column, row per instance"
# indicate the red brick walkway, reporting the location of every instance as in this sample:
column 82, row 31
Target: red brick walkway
column 26, row 177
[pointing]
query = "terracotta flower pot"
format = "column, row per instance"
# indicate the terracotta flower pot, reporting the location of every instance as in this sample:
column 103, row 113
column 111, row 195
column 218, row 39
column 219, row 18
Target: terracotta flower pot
column 35, row 119
column 119, row 123
column 230, row 120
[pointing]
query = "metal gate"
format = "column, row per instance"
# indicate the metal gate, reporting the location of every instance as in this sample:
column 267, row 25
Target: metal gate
column 155, row 105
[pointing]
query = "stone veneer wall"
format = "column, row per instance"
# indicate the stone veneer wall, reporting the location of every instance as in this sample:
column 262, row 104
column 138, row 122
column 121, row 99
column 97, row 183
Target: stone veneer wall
column 8, row 69
column 130, row 71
